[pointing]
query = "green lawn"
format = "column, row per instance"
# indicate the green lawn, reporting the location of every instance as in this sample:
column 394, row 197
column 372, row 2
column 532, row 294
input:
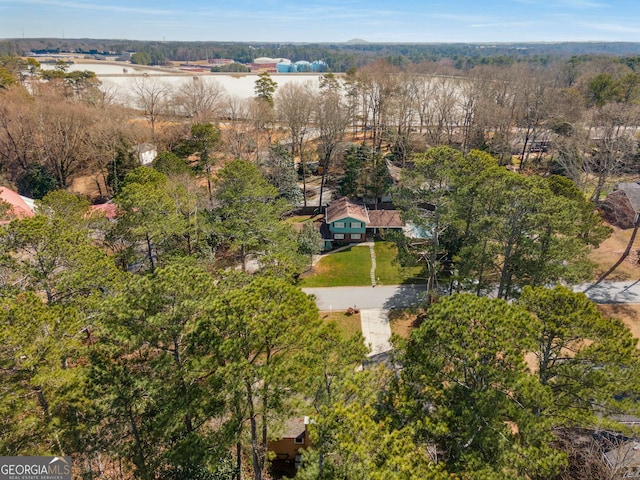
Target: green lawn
column 348, row 325
column 350, row 267
column 388, row 272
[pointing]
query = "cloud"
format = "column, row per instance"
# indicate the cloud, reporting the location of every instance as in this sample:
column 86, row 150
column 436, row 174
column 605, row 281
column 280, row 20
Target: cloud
column 582, row 4
column 96, row 7
column 304, row 13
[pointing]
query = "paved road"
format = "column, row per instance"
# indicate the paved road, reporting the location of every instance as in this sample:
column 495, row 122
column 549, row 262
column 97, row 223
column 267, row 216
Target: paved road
column 612, row 292
column 387, row 296
column 396, row 296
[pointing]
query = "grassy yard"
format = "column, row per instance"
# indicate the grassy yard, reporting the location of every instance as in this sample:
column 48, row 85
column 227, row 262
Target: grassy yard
column 388, row 272
column 348, row 325
column 350, row 267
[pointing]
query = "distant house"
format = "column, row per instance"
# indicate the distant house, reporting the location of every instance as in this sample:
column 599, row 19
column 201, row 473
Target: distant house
column 18, row 206
column 109, row 210
column 287, row 448
column 349, row 222
column 145, row 153
column 624, row 460
column 217, row 62
column 266, row 64
column 622, row 206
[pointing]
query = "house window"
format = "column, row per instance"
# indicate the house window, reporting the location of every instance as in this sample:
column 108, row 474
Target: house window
column 299, row 440
column 356, row 236
column 356, row 225
column 338, row 224
column 338, row 236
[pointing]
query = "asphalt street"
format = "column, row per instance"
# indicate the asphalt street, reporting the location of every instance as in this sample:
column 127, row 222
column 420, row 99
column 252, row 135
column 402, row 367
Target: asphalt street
column 387, row 296
column 397, row 296
column 612, row 292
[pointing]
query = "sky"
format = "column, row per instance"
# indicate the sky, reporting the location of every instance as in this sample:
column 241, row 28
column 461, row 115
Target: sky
column 408, row 21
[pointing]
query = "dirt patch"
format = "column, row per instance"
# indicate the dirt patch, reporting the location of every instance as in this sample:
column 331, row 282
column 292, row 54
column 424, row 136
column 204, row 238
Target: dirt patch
column 89, row 186
column 403, row 321
column 628, row 313
column 610, row 251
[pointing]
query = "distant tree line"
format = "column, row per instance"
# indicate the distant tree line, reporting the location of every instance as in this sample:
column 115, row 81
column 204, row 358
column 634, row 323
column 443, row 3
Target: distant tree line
column 339, row 56
column 172, row 341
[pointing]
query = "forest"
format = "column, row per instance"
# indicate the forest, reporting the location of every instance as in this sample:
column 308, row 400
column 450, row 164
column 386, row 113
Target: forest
column 168, row 337
column 339, row 56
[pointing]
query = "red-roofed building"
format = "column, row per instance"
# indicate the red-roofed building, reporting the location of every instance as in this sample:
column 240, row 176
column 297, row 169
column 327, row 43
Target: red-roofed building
column 18, row 207
column 110, row 210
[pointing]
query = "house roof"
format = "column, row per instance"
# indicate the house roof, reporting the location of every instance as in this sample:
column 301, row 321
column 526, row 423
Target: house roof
column 294, row 427
column 144, row 147
column 394, row 172
column 618, row 210
column 345, row 208
column 632, row 191
column 110, row 210
column 384, row 219
column 19, row 207
column 625, row 456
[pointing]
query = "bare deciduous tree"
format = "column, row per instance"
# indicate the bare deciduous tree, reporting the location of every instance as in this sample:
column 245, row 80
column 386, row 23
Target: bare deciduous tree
column 151, row 96
column 613, row 143
column 63, row 131
column 332, row 116
column 294, row 107
column 17, row 150
column 200, row 99
column 237, row 132
column 378, row 84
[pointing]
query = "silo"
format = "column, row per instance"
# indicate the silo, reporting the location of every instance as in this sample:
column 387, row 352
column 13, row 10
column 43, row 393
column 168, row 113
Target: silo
column 284, row 66
column 319, row 66
column 303, row 66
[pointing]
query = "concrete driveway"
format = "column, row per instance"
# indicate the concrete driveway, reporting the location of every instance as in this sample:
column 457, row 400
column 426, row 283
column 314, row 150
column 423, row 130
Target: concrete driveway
column 376, row 330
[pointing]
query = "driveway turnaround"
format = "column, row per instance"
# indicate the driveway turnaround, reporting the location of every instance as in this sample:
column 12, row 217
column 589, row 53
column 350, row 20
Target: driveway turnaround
column 376, row 330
